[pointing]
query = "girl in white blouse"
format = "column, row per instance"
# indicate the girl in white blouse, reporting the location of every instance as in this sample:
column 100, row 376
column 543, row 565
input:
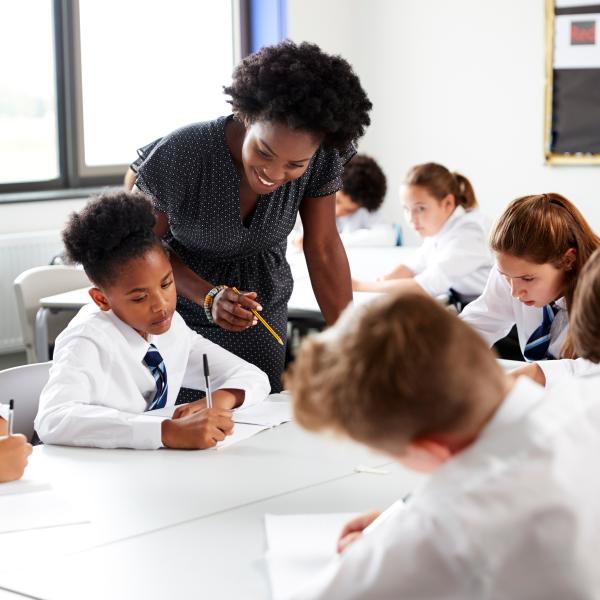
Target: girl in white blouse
column 442, row 208
column 541, row 243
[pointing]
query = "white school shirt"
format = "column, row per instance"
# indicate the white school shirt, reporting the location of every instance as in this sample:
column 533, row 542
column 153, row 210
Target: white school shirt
column 99, row 388
column 495, row 312
column 359, row 219
column 456, row 257
column 4, row 411
column 514, row 516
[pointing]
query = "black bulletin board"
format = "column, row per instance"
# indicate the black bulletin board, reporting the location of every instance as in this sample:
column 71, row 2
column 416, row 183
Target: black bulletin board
column 572, row 128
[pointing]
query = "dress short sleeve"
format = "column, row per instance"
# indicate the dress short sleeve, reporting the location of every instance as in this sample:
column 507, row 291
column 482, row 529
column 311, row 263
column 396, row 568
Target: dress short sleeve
column 326, row 172
column 167, row 168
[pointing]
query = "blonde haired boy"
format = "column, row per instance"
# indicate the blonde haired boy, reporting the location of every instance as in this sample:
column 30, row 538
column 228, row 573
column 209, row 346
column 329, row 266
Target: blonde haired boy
column 511, row 508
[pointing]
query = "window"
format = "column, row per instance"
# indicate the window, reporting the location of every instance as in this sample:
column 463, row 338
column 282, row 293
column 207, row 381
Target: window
column 147, row 68
column 85, row 83
column 28, row 123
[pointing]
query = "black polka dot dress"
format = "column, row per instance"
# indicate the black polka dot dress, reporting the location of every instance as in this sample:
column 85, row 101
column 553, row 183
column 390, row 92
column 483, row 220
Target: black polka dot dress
column 191, row 177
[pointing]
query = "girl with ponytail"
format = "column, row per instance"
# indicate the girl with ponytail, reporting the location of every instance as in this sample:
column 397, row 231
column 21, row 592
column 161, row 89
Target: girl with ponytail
column 442, row 208
column 541, row 244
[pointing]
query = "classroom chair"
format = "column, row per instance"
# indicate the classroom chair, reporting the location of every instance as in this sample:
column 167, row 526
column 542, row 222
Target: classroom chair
column 24, row 385
column 39, row 282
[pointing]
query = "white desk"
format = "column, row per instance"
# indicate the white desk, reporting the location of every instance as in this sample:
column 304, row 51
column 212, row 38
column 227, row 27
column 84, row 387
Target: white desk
column 365, row 263
column 181, row 524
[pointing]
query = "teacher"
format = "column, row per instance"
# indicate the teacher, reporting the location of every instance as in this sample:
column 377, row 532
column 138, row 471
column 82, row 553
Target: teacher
column 227, row 193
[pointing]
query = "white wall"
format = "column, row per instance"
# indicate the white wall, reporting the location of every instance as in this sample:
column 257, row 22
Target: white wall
column 458, row 82
column 36, row 216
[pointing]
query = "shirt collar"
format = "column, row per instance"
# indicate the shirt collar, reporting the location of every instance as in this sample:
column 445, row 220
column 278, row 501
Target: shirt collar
column 561, row 303
column 139, row 346
column 458, row 212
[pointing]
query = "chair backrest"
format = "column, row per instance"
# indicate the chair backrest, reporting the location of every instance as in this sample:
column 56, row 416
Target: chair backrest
column 39, row 282
column 24, row 385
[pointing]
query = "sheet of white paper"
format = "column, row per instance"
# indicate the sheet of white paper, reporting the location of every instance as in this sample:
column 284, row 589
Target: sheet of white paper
column 277, row 409
column 36, row 510
column 300, row 546
column 241, row 431
column 23, row 486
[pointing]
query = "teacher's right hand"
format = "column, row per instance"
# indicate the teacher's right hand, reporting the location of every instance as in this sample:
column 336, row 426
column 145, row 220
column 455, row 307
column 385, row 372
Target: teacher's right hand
column 231, row 311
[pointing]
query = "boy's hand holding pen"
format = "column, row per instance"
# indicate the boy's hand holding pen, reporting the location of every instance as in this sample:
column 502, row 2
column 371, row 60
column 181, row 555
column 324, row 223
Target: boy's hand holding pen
column 14, row 450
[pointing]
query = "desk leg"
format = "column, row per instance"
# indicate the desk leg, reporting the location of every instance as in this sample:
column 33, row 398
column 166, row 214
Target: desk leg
column 41, row 334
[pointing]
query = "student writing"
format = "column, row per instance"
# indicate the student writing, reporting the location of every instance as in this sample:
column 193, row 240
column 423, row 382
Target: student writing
column 541, row 243
column 506, row 512
column 130, row 352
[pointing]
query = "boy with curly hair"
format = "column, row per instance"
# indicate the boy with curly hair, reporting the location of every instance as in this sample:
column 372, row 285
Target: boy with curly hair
column 363, row 190
column 510, row 509
column 130, row 352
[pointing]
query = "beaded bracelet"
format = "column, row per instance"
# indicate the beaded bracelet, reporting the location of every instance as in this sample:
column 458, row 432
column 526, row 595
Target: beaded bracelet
column 209, row 299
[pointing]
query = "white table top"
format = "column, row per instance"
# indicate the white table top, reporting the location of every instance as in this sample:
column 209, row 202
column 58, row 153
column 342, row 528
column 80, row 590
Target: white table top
column 161, row 521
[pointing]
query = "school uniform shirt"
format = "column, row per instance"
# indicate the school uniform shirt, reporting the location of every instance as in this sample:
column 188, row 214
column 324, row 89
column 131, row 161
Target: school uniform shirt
column 495, row 312
column 514, row 515
column 456, row 257
column 4, row 411
column 99, row 388
column 359, row 219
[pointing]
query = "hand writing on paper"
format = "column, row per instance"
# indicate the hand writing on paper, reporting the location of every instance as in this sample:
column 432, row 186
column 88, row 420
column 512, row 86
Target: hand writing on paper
column 354, row 528
column 14, row 451
column 201, row 429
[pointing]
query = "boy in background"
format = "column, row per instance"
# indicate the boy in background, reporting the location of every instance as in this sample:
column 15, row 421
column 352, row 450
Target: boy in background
column 509, row 510
column 357, row 205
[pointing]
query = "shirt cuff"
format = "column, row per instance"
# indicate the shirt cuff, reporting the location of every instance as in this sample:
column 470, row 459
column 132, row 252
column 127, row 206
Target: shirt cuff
column 4, row 411
column 147, row 432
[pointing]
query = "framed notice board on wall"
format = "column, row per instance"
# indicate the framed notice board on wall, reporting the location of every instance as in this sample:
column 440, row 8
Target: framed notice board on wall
column 572, row 124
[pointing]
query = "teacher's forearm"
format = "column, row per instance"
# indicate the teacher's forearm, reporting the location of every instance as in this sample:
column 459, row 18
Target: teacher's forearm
column 189, row 284
column 330, row 278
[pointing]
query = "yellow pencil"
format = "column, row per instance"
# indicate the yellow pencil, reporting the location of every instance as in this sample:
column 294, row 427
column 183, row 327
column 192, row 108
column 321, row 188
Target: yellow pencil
column 257, row 315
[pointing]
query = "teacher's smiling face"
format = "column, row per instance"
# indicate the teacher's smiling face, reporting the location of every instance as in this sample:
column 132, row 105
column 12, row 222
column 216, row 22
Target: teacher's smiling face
column 273, row 154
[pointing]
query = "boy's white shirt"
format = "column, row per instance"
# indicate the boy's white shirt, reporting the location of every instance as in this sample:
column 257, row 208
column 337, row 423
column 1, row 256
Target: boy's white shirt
column 495, row 312
column 4, row 411
column 99, row 388
column 456, row 257
column 359, row 219
column 513, row 516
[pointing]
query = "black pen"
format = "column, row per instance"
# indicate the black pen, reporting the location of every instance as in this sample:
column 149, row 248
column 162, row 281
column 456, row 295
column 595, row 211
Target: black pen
column 11, row 410
column 207, row 378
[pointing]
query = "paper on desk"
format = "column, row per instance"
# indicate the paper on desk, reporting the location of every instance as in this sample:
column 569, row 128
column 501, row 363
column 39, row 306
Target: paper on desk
column 275, row 410
column 34, row 506
column 299, row 547
column 241, row 431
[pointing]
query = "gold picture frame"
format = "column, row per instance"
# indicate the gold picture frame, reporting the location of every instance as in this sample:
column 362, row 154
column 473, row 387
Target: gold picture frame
column 551, row 157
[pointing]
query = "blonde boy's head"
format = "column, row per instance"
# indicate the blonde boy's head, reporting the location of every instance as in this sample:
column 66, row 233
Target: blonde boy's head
column 400, row 369
column 584, row 320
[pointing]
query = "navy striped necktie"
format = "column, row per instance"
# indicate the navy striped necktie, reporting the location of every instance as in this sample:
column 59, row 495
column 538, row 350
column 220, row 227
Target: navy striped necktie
column 154, row 361
column 539, row 341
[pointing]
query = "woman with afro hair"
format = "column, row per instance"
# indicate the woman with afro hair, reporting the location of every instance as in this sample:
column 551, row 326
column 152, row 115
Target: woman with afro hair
column 227, row 192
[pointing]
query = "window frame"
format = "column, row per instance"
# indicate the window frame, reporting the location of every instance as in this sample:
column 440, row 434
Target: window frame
column 76, row 179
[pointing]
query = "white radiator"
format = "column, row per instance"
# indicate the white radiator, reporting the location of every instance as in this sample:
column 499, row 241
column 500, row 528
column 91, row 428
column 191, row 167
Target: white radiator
column 19, row 252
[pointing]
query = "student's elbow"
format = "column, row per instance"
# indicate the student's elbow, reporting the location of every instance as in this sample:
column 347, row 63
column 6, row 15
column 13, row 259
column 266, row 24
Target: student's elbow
column 51, row 426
